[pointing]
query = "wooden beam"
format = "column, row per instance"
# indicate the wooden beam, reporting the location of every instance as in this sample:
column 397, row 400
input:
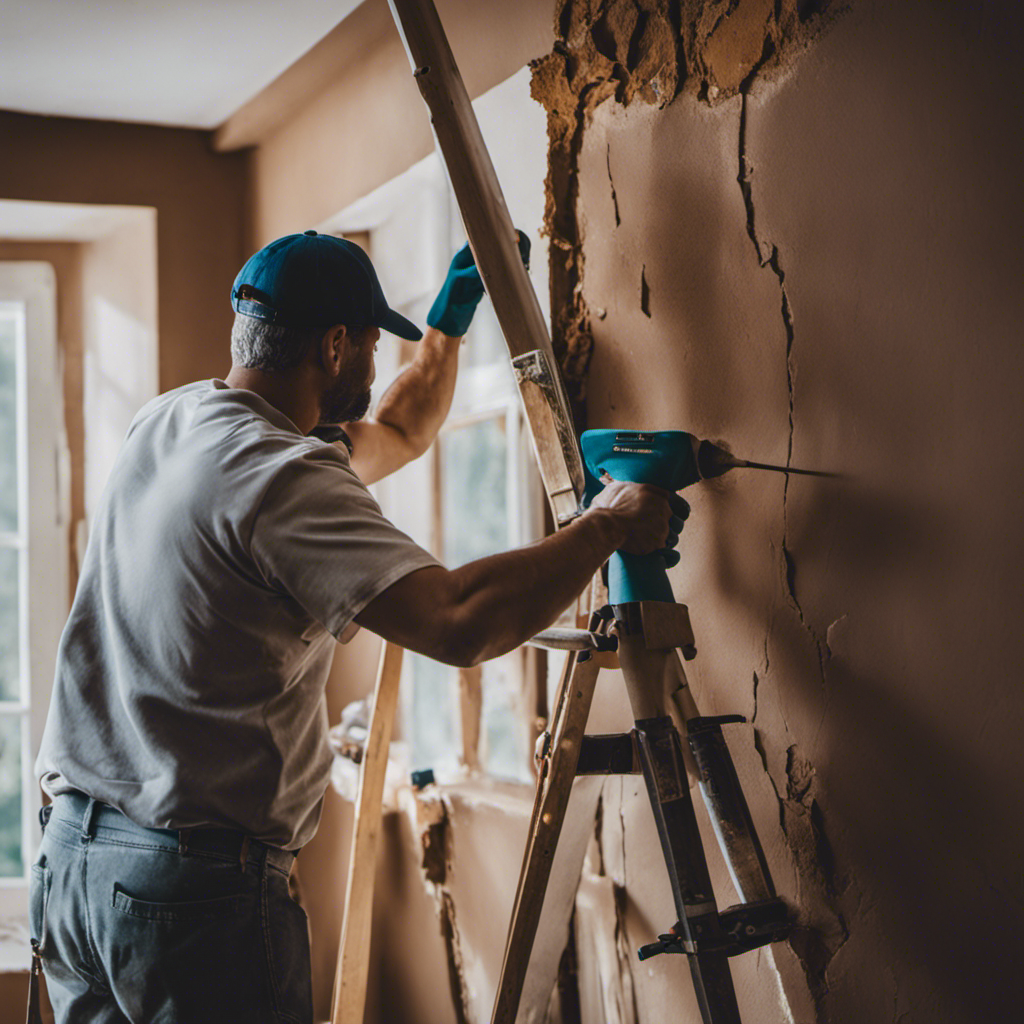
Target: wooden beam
column 354, row 953
column 556, row 775
column 493, row 240
column 471, row 700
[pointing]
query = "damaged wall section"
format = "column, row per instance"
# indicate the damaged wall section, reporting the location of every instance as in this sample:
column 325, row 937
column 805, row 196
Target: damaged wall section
column 635, row 50
column 790, row 226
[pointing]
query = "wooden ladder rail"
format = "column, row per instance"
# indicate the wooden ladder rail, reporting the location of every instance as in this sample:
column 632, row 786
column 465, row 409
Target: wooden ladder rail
column 350, row 977
column 492, row 237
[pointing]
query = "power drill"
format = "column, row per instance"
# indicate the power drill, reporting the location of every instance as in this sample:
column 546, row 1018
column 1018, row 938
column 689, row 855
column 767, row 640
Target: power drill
column 665, row 458
column 671, row 459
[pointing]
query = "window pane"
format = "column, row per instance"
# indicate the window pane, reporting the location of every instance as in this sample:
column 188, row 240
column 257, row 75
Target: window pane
column 10, row 797
column 9, row 327
column 474, row 510
column 435, row 732
column 504, row 726
column 485, row 344
column 10, row 688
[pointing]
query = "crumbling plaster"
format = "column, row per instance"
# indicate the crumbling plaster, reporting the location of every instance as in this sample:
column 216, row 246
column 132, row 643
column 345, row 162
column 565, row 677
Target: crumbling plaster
column 803, row 237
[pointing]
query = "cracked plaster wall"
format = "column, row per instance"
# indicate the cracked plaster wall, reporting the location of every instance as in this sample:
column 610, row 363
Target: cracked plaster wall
column 798, row 230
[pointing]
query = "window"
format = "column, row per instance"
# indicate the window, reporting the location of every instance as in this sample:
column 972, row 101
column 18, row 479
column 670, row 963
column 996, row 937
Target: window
column 13, row 632
column 482, row 498
column 33, row 559
column 477, row 491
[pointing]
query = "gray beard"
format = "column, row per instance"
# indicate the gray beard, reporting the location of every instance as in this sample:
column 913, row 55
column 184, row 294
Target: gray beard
column 344, row 403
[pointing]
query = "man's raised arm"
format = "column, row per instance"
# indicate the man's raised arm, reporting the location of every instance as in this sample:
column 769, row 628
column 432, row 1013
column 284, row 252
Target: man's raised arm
column 411, row 411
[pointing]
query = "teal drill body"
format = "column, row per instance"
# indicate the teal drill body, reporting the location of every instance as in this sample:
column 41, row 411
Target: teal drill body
column 665, row 458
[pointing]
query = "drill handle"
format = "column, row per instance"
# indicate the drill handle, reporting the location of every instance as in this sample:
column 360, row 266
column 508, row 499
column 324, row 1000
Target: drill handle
column 664, row 458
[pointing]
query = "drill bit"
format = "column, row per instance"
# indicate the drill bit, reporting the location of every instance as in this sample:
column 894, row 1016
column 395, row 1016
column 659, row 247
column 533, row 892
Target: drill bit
column 714, row 460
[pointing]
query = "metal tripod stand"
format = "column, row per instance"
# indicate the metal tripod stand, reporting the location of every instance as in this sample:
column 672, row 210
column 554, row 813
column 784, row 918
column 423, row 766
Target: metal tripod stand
column 649, row 637
column 650, row 626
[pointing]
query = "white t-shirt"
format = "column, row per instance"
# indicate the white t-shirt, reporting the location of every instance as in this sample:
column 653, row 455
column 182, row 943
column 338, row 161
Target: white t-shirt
column 227, row 553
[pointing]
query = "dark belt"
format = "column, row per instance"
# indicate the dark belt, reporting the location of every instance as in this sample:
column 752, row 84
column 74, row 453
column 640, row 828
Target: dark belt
column 227, row 844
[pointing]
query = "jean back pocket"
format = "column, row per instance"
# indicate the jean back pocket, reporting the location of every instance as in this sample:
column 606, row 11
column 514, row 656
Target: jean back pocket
column 183, row 911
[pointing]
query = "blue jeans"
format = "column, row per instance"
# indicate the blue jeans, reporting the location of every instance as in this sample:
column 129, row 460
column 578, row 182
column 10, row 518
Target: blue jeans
column 153, row 926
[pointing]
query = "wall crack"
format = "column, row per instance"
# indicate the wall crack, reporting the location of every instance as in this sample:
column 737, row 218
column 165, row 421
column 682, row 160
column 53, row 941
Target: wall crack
column 821, row 930
column 768, row 257
column 611, row 184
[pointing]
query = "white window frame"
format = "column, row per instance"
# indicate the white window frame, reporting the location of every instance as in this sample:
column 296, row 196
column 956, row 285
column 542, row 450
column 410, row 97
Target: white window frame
column 412, row 227
column 487, row 395
column 42, row 538
column 482, row 392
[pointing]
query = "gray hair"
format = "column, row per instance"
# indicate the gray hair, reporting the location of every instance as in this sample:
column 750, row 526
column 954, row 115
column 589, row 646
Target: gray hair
column 259, row 345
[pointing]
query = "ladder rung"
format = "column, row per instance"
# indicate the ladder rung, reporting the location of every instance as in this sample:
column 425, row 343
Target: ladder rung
column 559, row 639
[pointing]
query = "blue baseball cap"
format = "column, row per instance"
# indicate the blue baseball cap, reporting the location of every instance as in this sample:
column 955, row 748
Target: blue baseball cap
column 314, row 280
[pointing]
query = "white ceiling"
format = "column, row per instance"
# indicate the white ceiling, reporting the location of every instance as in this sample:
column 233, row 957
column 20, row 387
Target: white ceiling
column 188, row 63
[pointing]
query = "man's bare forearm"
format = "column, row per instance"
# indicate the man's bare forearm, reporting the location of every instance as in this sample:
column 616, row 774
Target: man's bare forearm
column 492, row 605
column 488, row 607
column 418, row 400
column 505, row 599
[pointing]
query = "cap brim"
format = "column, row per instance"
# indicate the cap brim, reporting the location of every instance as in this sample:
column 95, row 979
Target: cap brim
column 397, row 324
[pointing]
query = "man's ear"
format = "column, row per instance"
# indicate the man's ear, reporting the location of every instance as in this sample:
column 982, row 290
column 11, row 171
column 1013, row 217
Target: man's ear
column 334, row 348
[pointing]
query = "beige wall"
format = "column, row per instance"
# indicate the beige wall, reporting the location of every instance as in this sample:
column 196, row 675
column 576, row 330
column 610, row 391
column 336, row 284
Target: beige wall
column 868, row 627
column 370, row 124
column 199, row 197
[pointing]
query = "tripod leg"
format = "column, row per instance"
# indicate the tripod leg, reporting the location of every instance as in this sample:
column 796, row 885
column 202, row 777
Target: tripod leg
column 661, row 760
column 728, row 811
column 554, row 786
column 723, row 796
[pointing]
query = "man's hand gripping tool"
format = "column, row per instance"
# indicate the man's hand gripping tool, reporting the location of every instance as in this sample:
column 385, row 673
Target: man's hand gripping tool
column 672, row 460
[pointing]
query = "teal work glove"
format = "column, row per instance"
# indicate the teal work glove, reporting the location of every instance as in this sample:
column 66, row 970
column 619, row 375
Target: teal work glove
column 453, row 309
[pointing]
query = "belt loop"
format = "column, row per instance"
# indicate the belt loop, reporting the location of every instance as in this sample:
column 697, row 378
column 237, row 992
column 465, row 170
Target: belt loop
column 243, row 855
column 183, row 838
column 90, row 811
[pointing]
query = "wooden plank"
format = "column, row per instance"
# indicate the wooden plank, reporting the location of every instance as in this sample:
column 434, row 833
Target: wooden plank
column 470, row 706
column 535, row 695
column 354, row 952
column 493, row 240
column 554, row 786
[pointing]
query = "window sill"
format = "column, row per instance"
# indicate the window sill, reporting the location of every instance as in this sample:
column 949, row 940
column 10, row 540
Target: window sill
column 15, row 950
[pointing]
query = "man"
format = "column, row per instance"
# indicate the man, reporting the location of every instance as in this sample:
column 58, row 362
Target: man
column 185, row 744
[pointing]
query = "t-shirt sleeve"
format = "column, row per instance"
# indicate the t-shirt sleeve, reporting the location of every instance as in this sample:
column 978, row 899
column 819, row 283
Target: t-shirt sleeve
column 320, row 537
